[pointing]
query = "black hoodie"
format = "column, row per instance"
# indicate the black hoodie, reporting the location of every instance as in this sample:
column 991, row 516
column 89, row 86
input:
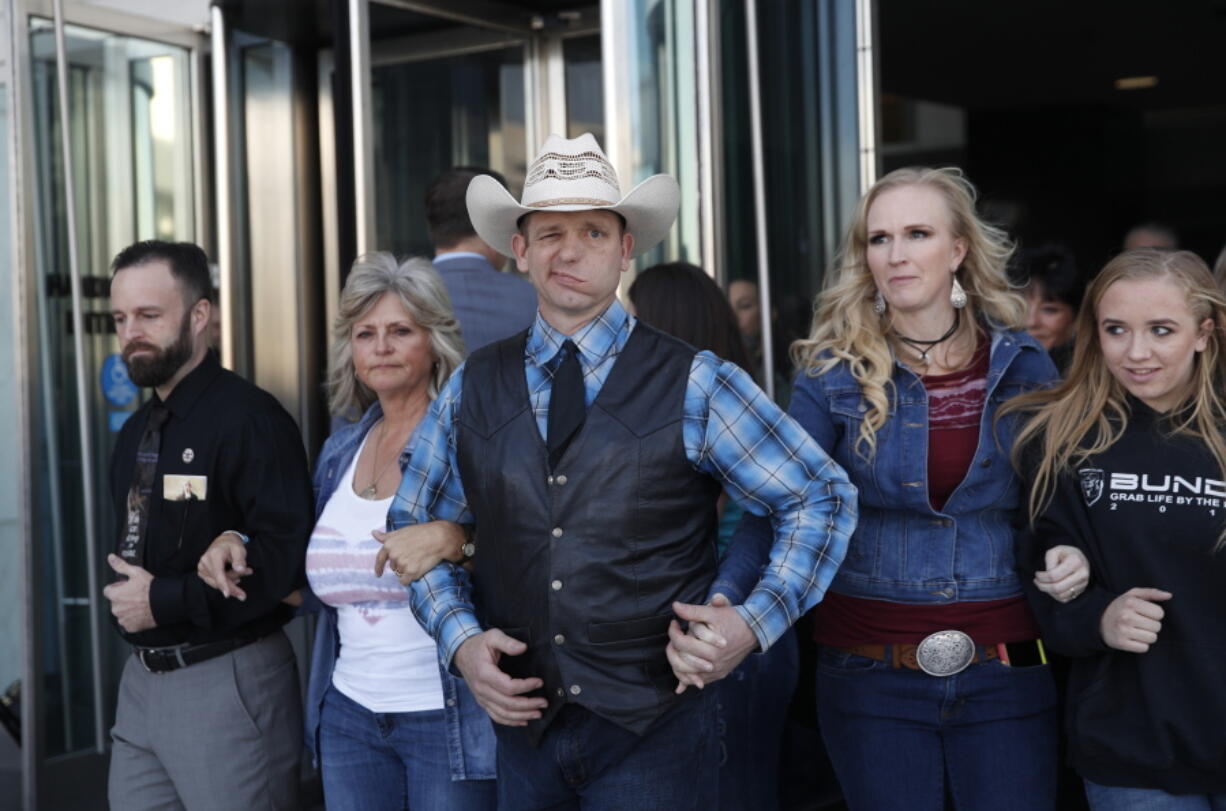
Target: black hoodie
column 1147, row 512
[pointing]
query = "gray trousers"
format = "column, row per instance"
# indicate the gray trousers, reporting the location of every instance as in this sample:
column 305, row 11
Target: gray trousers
column 221, row 734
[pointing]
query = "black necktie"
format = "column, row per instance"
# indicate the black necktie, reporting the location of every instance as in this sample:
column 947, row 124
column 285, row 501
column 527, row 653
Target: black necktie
column 566, row 408
column 132, row 542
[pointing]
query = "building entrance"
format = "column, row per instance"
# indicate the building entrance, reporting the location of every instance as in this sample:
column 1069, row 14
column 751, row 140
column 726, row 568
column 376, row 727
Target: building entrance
column 1076, row 121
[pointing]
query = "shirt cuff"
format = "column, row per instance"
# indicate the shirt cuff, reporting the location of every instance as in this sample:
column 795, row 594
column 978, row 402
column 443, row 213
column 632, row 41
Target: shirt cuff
column 727, row 588
column 458, row 627
column 1086, row 614
column 766, row 616
column 166, row 601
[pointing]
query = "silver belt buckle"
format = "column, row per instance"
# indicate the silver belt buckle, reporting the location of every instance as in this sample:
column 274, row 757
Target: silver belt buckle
column 945, row 653
column 140, row 656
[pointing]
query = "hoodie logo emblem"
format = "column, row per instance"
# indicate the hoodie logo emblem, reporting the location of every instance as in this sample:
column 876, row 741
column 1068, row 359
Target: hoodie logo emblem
column 1091, row 484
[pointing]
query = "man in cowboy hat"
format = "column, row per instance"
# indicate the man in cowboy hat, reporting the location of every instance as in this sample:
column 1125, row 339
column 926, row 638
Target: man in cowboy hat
column 589, row 451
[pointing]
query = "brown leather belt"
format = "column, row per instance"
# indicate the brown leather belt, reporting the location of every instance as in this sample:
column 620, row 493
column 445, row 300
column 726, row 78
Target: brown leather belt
column 903, row 654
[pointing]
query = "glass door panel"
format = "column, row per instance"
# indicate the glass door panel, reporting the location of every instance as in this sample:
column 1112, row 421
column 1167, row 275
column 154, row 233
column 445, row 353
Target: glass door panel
column 658, row 130
column 432, row 114
column 12, row 585
column 810, row 158
column 442, row 95
column 129, row 126
column 584, row 87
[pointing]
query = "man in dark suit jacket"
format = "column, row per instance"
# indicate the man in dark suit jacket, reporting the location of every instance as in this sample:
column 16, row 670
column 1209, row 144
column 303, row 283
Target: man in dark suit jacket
column 489, row 304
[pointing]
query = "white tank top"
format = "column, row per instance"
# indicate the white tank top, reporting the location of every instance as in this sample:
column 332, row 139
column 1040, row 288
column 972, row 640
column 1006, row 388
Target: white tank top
column 387, row 662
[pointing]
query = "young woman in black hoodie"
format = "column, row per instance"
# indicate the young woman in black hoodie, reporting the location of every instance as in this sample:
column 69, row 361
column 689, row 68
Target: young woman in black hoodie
column 1127, row 462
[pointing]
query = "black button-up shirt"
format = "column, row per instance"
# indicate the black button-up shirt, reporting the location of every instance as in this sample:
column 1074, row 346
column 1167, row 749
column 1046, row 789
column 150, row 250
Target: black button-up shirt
column 241, row 447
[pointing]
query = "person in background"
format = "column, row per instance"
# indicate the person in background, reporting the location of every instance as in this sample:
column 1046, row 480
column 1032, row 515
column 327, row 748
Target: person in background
column 932, row 688
column 489, row 304
column 208, row 713
column 1125, row 462
column 1151, row 234
column 1053, row 287
column 389, row 726
column 743, row 295
column 747, row 308
column 682, row 300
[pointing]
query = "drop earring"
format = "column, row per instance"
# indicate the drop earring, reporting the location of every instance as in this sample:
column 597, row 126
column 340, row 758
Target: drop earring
column 879, row 304
column 957, row 296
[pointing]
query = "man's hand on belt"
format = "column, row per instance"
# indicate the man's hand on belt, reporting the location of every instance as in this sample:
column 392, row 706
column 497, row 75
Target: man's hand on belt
column 130, row 598
column 717, row 641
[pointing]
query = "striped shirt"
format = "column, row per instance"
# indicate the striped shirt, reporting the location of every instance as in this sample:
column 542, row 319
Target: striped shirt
column 732, row 431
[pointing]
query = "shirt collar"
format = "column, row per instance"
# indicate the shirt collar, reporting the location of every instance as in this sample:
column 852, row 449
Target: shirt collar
column 188, row 390
column 596, row 340
column 447, row 257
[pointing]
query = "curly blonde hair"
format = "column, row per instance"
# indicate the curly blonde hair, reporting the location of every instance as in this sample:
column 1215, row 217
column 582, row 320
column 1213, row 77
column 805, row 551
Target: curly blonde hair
column 424, row 297
column 846, row 329
column 1092, row 405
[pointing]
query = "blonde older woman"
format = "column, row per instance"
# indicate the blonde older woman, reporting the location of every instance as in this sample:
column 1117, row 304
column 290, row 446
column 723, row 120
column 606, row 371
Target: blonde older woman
column 390, row 727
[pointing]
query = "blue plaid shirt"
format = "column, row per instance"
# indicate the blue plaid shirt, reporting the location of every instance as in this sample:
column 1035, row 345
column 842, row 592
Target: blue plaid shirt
column 732, row 432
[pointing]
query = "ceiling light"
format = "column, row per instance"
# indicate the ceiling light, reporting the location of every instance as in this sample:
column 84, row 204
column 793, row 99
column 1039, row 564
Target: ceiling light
column 1136, row 82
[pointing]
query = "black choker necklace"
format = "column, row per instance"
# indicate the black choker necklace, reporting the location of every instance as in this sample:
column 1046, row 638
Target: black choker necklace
column 924, row 347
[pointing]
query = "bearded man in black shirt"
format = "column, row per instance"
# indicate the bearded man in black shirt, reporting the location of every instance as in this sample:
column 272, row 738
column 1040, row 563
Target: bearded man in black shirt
column 209, row 714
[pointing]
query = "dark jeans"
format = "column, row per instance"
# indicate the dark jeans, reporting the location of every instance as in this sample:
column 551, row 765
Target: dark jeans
column 373, row 761
column 1115, row 798
column 901, row 739
column 586, row 762
column 753, row 712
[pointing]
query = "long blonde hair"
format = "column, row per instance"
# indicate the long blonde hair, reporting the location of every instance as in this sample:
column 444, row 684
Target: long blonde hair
column 421, row 291
column 847, row 330
column 1091, row 404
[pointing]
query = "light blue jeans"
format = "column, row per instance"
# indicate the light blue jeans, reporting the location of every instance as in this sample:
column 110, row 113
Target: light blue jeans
column 1120, row 798
column 374, row 761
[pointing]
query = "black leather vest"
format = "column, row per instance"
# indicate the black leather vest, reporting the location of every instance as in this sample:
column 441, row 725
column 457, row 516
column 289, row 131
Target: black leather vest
column 582, row 563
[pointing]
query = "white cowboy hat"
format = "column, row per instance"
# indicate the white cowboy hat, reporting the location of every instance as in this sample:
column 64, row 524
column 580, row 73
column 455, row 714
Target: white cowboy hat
column 573, row 174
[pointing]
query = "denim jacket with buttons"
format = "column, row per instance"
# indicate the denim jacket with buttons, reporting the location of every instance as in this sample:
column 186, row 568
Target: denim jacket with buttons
column 904, row 550
column 470, row 735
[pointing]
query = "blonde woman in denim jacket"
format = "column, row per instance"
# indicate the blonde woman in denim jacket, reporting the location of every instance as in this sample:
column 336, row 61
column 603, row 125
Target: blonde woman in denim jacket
column 931, row 684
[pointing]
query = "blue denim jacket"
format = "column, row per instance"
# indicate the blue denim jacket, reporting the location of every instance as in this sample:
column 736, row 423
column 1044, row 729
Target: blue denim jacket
column 470, row 734
column 902, row 549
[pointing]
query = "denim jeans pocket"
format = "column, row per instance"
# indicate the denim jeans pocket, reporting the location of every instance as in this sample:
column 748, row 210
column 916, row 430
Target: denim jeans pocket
column 837, row 662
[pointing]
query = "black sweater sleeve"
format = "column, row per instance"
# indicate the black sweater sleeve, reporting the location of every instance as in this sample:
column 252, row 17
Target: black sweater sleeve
column 1070, row 628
